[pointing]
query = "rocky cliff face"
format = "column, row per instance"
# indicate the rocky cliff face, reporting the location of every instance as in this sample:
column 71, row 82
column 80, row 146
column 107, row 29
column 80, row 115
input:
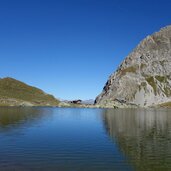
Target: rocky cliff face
column 144, row 77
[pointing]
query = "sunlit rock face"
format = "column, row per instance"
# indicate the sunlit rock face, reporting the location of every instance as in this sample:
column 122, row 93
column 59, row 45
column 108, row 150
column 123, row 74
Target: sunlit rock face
column 144, row 136
column 144, row 77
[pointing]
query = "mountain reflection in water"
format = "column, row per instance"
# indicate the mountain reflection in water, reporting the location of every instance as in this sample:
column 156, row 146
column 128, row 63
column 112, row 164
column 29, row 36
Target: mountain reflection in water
column 50, row 139
column 70, row 139
column 13, row 117
column 144, row 136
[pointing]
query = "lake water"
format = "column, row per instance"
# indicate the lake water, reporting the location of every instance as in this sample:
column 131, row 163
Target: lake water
column 68, row 139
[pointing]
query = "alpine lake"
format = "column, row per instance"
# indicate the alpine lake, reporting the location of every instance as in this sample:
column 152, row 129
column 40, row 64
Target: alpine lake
column 80, row 139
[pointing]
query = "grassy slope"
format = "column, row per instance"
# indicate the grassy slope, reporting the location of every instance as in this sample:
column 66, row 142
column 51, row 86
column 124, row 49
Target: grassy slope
column 14, row 89
column 167, row 104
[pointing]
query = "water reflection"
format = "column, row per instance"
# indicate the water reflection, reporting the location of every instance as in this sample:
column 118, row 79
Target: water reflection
column 14, row 117
column 56, row 139
column 84, row 139
column 144, row 136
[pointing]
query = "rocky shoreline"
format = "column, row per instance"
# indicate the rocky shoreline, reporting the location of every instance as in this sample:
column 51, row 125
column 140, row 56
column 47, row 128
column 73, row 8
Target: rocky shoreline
column 9, row 102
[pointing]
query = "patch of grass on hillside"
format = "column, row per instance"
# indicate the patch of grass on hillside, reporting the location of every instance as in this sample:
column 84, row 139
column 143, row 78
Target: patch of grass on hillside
column 167, row 104
column 167, row 91
column 143, row 84
column 11, row 88
column 161, row 79
column 143, row 66
column 151, row 81
column 131, row 69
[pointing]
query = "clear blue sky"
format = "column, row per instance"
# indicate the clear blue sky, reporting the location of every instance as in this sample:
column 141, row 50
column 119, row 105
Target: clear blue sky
column 70, row 47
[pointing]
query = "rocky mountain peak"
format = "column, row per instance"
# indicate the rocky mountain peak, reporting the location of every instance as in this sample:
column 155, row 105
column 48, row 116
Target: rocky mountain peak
column 144, row 77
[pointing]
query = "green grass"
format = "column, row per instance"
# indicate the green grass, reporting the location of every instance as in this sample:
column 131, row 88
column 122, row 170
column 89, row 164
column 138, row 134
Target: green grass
column 167, row 91
column 143, row 66
column 151, row 81
column 131, row 69
column 167, row 104
column 161, row 79
column 11, row 88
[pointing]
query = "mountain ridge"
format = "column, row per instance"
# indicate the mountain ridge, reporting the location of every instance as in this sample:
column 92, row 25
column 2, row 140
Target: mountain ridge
column 16, row 93
column 144, row 76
